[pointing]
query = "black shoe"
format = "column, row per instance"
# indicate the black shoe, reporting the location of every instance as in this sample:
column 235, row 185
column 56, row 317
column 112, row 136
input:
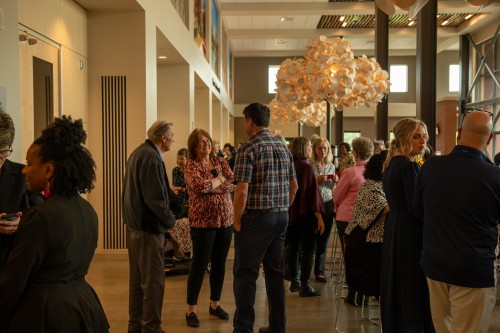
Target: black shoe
column 309, row 292
column 294, row 286
column 265, row 330
column 218, row 312
column 321, row 278
column 192, row 320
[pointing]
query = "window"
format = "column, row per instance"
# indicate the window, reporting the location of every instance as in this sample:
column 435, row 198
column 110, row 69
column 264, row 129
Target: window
column 349, row 136
column 454, row 83
column 273, row 69
column 398, row 75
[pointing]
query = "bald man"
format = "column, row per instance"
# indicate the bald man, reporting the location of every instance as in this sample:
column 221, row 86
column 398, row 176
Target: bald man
column 457, row 198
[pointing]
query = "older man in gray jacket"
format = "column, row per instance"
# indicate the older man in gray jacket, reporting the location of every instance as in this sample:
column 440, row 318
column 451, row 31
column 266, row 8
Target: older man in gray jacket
column 147, row 215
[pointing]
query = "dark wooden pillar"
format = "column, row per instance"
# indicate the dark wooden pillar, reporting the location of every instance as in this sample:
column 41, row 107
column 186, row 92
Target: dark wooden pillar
column 339, row 127
column 464, row 62
column 328, row 122
column 299, row 129
column 426, row 67
column 382, row 55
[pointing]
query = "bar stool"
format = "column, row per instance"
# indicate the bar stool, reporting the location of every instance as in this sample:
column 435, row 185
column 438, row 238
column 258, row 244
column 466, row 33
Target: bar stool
column 335, row 255
column 373, row 320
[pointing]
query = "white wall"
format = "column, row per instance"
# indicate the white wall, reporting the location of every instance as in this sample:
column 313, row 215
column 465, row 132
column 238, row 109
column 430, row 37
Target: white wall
column 174, row 106
column 10, row 77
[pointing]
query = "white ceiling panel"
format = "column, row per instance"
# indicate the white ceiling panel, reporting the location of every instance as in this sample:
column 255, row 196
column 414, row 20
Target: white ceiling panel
column 259, row 44
column 247, row 44
column 272, row 22
column 245, row 22
column 258, row 22
column 232, row 22
column 312, row 21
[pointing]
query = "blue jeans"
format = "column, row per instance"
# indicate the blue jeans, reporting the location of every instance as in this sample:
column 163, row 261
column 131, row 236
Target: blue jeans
column 260, row 240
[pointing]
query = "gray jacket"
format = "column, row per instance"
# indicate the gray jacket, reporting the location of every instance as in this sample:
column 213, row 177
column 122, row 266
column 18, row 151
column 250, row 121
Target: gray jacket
column 145, row 196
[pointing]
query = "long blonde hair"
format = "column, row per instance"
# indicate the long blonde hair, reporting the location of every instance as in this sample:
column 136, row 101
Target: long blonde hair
column 329, row 155
column 403, row 132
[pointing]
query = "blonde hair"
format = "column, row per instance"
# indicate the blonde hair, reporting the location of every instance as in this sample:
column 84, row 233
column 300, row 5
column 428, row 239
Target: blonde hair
column 329, row 155
column 403, row 132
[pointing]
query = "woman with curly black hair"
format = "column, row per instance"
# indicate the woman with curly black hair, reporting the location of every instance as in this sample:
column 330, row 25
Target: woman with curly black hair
column 43, row 287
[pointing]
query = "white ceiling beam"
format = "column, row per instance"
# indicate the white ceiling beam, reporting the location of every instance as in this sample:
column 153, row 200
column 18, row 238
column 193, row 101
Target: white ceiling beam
column 314, row 33
column 333, row 8
column 300, row 53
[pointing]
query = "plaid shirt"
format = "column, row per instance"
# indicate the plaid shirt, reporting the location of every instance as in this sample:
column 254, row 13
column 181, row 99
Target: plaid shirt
column 267, row 165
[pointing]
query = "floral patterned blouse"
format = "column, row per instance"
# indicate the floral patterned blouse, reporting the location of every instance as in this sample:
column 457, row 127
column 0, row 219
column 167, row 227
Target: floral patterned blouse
column 206, row 209
column 326, row 187
column 346, row 161
column 369, row 204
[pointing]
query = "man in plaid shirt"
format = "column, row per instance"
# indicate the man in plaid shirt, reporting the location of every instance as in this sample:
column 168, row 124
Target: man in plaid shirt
column 266, row 186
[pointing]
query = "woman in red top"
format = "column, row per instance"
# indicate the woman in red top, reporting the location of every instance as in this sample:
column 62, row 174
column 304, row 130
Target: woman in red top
column 209, row 181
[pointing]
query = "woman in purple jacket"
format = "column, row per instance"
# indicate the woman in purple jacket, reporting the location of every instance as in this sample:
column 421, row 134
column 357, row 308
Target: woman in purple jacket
column 304, row 218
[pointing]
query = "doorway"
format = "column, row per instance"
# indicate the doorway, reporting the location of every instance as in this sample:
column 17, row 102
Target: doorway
column 39, row 68
column 43, row 96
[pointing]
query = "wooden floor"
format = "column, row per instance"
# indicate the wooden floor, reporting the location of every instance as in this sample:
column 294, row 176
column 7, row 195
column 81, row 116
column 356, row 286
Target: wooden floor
column 109, row 276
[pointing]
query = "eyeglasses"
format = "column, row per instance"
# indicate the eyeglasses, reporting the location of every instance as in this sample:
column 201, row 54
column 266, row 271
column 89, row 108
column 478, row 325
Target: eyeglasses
column 469, row 110
column 6, row 152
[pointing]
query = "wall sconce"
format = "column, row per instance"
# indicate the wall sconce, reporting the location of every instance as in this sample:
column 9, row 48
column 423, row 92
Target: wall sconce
column 32, row 41
column 23, row 38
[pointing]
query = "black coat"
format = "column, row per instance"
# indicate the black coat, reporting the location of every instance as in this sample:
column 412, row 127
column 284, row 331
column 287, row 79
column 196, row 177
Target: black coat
column 14, row 197
column 43, row 287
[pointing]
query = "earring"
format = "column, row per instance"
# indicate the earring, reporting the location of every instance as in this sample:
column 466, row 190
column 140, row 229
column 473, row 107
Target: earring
column 47, row 192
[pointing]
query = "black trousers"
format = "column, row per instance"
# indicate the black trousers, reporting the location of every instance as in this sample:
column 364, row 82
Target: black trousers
column 209, row 245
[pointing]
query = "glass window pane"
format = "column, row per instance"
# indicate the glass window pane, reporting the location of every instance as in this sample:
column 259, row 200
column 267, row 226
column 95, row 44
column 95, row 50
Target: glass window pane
column 273, row 69
column 454, row 78
column 349, row 136
column 399, row 78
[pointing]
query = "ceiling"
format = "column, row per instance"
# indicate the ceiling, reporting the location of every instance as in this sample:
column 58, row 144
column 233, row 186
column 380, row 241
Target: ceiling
column 283, row 28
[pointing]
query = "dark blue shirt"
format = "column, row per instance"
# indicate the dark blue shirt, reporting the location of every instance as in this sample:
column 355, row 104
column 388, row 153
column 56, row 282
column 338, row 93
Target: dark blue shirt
column 457, row 197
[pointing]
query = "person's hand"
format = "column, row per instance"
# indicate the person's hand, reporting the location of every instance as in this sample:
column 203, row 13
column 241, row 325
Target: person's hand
column 9, row 227
column 237, row 226
column 321, row 226
column 321, row 178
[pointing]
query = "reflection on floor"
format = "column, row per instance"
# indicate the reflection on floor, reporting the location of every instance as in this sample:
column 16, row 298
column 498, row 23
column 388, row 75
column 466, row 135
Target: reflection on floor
column 109, row 277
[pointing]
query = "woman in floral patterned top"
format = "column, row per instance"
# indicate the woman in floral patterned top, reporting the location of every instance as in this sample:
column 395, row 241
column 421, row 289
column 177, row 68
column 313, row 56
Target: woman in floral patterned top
column 209, row 182
column 346, row 159
column 325, row 175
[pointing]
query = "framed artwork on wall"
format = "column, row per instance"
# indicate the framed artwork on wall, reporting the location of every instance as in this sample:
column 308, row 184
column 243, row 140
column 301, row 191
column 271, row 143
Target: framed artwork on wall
column 200, row 35
column 215, row 37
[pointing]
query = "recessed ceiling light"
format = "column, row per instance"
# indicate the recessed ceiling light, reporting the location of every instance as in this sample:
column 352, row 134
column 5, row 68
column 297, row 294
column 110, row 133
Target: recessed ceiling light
column 342, row 18
column 411, row 23
column 445, row 22
column 162, row 57
column 344, row 24
column 286, row 18
column 468, row 16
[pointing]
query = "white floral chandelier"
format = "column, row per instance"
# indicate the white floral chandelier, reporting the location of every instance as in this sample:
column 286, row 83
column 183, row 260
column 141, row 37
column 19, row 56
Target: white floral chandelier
column 328, row 72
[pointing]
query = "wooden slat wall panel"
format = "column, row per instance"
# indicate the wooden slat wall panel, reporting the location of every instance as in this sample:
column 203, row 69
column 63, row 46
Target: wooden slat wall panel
column 395, row 21
column 114, row 109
